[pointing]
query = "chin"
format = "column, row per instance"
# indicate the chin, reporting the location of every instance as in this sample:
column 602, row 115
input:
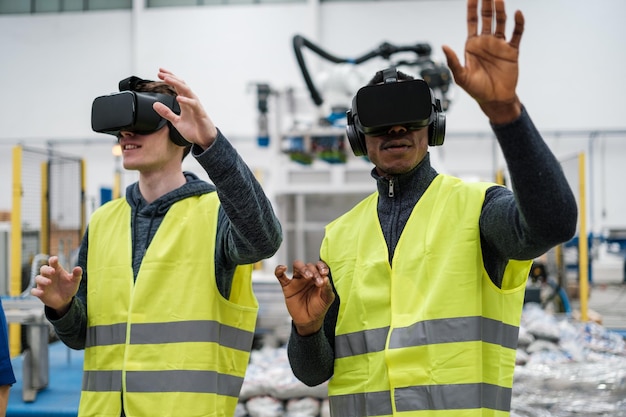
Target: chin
column 397, row 170
column 130, row 166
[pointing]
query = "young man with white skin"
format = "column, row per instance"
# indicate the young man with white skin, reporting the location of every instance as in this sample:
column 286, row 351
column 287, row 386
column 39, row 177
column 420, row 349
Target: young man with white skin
column 161, row 299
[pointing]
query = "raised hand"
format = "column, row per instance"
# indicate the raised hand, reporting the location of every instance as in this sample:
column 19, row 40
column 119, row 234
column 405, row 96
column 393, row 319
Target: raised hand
column 491, row 68
column 55, row 286
column 308, row 294
column 192, row 123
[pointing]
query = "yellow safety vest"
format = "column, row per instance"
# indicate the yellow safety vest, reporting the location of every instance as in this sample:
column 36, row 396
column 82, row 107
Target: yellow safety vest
column 169, row 344
column 430, row 335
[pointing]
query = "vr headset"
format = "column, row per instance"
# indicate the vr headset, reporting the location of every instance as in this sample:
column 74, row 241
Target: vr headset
column 377, row 108
column 132, row 111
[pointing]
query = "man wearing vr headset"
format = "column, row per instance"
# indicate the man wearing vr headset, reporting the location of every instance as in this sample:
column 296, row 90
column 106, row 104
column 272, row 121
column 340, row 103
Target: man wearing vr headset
column 161, row 299
column 415, row 306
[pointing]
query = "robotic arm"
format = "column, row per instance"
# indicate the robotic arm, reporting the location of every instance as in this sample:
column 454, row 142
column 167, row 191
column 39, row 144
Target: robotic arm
column 332, row 95
column 436, row 75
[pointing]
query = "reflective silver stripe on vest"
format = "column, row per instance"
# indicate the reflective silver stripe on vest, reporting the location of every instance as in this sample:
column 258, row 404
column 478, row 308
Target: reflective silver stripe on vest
column 453, row 397
column 191, row 331
column 163, row 381
column 358, row 343
column 419, row 398
column 102, row 381
column 364, row 404
column 114, row 334
column 183, row 381
column 179, row 332
column 461, row 329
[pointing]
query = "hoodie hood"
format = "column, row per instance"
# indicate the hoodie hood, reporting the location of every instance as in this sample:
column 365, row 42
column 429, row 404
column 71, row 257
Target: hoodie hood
column 161, row 205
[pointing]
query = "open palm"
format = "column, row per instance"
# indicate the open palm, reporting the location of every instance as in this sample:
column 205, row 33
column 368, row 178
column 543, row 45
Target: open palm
column 491, row 68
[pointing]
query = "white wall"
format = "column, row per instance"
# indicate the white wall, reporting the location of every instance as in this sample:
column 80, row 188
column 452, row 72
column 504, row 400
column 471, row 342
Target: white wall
column 53, row 65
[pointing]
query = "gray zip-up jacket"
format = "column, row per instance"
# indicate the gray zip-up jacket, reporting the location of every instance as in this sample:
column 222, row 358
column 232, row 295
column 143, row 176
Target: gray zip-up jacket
column 525, row 223
column 247, row 231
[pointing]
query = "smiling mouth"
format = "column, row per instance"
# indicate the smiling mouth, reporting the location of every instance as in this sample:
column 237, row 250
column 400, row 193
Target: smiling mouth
column 129, row 147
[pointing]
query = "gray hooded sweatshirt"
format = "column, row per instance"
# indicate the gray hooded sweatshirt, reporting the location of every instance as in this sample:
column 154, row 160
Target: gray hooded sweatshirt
column 247, row 231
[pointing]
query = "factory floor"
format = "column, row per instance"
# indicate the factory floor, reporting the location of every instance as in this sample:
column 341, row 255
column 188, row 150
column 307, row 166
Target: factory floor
column 60, row 397
column 606, row 302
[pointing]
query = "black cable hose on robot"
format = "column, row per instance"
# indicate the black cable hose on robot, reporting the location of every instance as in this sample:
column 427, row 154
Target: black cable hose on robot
column 385, row 50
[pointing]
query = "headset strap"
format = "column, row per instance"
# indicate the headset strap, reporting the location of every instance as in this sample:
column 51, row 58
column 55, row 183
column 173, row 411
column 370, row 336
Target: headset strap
column 131, row 83
column 390, row 75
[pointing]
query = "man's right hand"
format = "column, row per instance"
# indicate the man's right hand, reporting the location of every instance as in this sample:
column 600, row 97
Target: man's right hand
column 55, row 286
column 308, row 294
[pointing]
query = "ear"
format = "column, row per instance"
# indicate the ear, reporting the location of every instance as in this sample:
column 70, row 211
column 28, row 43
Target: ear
column 356, row 138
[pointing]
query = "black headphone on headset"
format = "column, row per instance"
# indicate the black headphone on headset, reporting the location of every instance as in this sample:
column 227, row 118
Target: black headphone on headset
column 376, row 108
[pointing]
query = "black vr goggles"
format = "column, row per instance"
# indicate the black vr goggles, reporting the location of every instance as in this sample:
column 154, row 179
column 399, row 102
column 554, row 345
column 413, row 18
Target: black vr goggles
column 132, row 111
column 377, row 108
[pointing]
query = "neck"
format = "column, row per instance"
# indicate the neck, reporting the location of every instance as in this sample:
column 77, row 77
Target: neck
column 156, row 184
column 414, row 181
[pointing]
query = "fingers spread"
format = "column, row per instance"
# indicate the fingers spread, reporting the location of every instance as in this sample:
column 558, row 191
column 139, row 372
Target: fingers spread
column 42, row 280
column 53, row 261
column 453, row 63
column 164, row 111
column 77, row 273
column 279, row 272
column 472, row 18
column 322, row 268
column 500, row 20
column 301, row 270
column 182, row 89
column 487, row 16
column 165, row 72
column 518, row 30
